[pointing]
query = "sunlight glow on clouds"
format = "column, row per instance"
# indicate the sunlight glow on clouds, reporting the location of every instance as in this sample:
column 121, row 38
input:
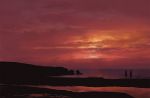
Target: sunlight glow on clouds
column 76, row 32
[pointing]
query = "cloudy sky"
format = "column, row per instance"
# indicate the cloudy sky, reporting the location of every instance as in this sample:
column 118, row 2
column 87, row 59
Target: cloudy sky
column 76, row 33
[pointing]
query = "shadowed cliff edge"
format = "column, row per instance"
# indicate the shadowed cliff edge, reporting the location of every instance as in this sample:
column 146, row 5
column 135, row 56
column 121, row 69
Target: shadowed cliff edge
column 21, row 70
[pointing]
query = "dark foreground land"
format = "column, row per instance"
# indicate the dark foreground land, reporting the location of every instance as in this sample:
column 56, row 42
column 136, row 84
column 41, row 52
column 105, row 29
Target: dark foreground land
column 14, row 74
column 12, row 91
column 90, row 82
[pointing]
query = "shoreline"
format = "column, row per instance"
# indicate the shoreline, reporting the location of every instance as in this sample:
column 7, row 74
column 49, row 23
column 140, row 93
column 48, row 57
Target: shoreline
column 89, row 82
column 11, row 91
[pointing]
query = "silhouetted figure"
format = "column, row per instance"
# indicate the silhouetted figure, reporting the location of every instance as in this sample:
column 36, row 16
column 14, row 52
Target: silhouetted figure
column 78, row 72
column 71, row 72
column 126, row 74
column 131, row 74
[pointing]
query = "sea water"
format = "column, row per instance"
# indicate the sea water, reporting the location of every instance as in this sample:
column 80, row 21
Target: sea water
column 116, row 73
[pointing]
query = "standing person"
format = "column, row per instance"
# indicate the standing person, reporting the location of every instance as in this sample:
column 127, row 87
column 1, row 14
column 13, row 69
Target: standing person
column 131, row 74
column 126, row 74
column 78, row 72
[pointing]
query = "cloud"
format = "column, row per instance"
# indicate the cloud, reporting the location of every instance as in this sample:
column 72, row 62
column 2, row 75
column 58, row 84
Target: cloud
column 62, row 31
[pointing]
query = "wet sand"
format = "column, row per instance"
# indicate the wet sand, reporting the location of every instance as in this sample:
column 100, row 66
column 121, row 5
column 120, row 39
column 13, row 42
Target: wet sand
column 133, row 91
column 14, row 91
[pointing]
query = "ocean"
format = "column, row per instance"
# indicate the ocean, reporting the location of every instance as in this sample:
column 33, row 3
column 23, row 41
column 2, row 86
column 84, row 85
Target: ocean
column 116, row 73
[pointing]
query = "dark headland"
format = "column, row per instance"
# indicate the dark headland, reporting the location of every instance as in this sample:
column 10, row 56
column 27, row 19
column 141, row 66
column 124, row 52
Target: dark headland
column 21, row 70
column 14, row 74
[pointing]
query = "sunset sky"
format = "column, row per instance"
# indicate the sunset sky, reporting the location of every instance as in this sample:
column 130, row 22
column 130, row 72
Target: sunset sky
column 76, row 33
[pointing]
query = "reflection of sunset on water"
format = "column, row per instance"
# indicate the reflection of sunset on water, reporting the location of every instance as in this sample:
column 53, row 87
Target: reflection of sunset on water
column 144, row 92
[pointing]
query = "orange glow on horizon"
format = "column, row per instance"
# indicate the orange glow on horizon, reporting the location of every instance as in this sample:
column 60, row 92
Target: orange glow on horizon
column 72, row 32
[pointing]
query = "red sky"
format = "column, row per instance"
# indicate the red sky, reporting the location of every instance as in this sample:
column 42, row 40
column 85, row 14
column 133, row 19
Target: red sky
column 76, row 33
